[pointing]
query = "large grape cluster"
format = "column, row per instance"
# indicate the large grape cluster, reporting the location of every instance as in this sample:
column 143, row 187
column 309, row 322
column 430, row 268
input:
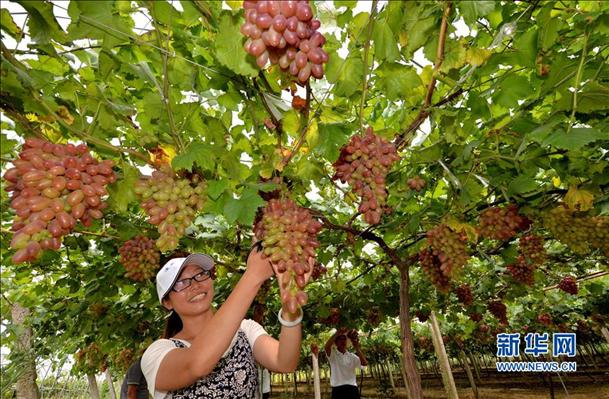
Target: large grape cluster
column 285, row 33
column 140, row 258
column 289, row 236
column 569, row 285
column 581, row 233
column 449, row 247
column 123, row 359
column 464, row 294
column 433, row 268
column 364, row 163
column 52, row 187
column 502, row 223
column 91, row 359
column 499, row 310
column 171, row 203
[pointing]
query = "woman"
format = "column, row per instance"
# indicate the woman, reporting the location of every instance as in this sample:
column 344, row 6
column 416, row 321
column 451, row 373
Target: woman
column 213, row 354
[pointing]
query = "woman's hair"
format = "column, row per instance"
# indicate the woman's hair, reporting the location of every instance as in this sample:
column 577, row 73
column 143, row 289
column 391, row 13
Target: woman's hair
column 173, row 325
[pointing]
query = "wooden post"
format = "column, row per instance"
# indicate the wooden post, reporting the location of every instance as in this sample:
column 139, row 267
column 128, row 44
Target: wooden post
column 26, row 383
column 390, row 374
column 470, row 376
column 316, row 384
column 110, row 383
column 93, row 390
column 438, row 343
column 474, row 361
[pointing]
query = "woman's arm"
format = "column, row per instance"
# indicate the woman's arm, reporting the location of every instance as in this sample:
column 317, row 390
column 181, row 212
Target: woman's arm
column 280, row 356
column 183, row 366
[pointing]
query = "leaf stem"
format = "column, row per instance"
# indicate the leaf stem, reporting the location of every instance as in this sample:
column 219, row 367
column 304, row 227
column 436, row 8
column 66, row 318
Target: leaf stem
column 578, row 77
column 366, row 51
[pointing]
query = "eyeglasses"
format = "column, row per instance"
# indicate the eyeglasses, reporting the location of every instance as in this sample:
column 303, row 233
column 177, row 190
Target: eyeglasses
column 181, row 285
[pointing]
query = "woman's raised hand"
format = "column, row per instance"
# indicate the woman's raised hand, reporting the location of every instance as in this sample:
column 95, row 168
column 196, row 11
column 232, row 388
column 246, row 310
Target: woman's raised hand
column 258, row 265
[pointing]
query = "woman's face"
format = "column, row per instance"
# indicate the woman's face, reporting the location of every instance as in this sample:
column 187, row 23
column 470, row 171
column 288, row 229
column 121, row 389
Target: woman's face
column 193, row 299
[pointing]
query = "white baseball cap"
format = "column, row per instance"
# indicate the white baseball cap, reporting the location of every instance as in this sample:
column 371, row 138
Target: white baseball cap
column 169, row 273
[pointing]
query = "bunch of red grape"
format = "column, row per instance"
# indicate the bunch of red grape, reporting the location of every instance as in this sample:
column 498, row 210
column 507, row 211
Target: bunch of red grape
column 91, row 359
column 285, row 33
column 532, row 250
column 545, row 319
column 502, row 223
column 499, row 310
column 140, row 258
column 416, row 183
column 364, row 163
column 318, row 271
column 569, row 285
column 422, row 315
column 432, row 266
column 522, row 272
column 374, row 316
column 123, row 359
column 449, row 249
column 475, row 316
column 581, row 233
column 289, row 237
column 171, row 203
column 52, row 187
column 464, row 294
column 333, row 319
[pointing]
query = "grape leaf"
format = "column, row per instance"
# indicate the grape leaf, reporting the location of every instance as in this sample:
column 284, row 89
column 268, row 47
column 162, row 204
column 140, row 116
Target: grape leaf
column 201, row 154
column 243, row 209
column 229, row 47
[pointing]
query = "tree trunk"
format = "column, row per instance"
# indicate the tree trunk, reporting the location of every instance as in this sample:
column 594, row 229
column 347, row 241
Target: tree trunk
column 438, row 343
column 26, row 384
column 410, row 365
column 110, row 383
column 93, row 389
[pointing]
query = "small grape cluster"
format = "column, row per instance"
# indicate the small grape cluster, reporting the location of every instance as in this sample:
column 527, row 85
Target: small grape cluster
column 499, row 310
column 475, row 316
column 522, row 272
column 416, row 183
column 502, row 223
column 449, row 247
column 333, row 319
column 532, row 254
column 432, row 266
column 364, row 163
column 53, row 186
column 98, row 309
column 422, row 315
column 124, row 359
column 318, row 271
column 581, row 233
column 532, row 250
column 171, row 202
column 545, row 319
column 289, row 237
column 374, row 316
column 464, row 294
column 140, row 258
column 569, row 285
column 91, row 359
column 285, row 33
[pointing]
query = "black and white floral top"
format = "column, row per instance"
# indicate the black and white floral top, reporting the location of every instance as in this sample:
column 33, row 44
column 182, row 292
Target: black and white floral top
column 235, row 375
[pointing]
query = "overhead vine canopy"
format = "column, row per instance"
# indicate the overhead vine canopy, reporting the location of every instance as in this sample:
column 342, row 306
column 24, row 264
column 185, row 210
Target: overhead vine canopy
column 497, row 111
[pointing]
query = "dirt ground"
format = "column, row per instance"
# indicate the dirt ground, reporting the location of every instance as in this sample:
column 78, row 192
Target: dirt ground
column 586, row 392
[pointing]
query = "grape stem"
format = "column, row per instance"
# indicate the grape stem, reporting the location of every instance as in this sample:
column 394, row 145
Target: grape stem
column 425, row 109
column 303, row 133
column 366, row 51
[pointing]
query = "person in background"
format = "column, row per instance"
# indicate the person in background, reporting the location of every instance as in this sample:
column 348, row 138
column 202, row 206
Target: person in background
column 344, row 363
column 134, row 384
